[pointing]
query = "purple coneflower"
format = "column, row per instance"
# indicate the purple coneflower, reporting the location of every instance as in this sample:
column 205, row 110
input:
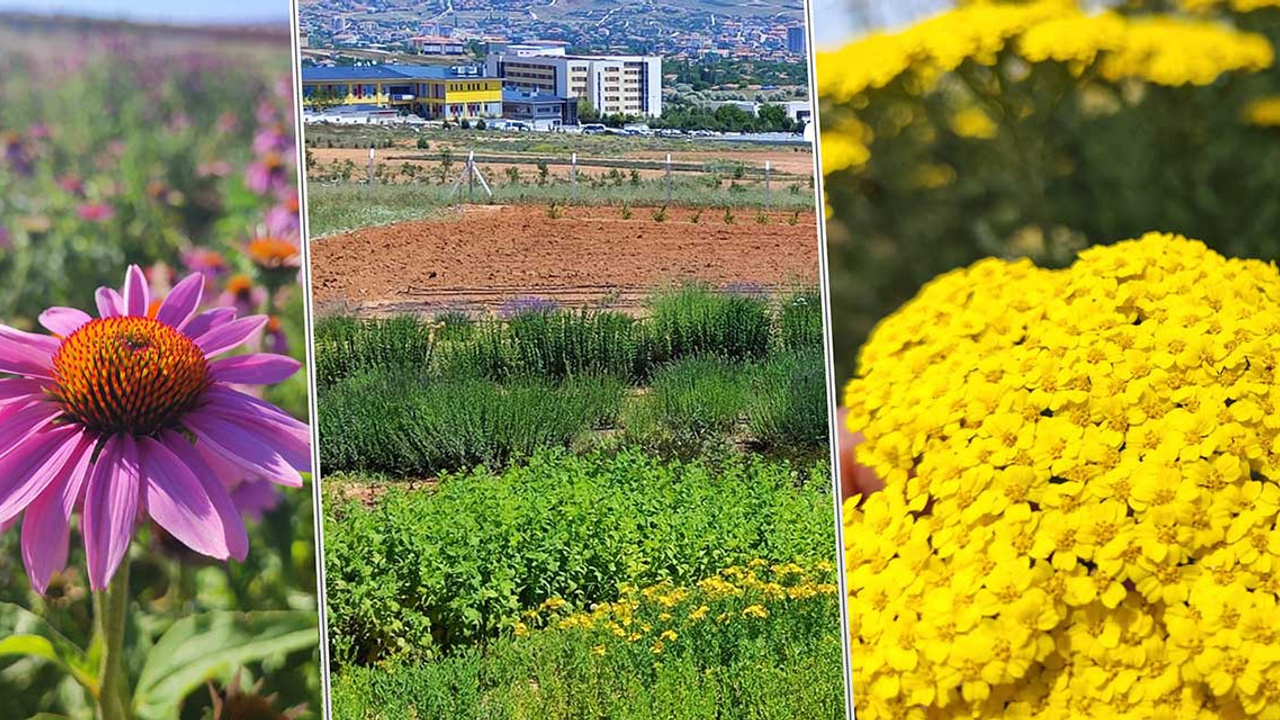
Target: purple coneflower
column 126, row 415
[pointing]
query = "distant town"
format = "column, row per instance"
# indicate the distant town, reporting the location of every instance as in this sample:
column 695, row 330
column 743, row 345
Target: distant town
column 762, row 30
column 562, row 64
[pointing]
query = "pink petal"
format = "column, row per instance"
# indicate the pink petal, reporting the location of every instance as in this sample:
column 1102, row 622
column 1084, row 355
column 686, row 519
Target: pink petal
column 24, row 353
column 292, row 438
column 208, row 320
column 45, row 524
column 180, row 304
column 29, row 468
column 110, row 508
column 254, row 369
column 19, row 422
column 179, row 502
column 20, row 390
column 110, row 304
column 136, row 295
column 225, row 337
column 229, row 522
column 63, row 320
column 224, row 400
column 252, row 450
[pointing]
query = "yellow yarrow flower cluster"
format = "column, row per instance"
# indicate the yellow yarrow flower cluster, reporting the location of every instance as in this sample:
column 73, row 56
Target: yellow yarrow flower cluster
column 661, row 614
column 1244, row 6
column 1173, row 51
column 1264, row 112
column 1164, row 50
column 1081, row 502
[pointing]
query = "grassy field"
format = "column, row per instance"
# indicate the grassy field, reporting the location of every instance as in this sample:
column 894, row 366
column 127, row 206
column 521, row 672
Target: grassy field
column 415, row 170
column 335, row 207
column 621, row 517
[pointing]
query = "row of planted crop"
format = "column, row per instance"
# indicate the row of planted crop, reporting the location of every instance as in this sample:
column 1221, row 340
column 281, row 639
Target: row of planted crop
column 533, row 338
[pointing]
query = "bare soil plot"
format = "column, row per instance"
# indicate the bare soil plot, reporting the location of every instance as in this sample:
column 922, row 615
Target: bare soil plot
column 488, row 255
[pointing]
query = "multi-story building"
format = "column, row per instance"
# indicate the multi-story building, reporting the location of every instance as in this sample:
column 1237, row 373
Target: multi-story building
column 433, row 91
column 795, row 40
column 612, row 84
column 539, row 109
column 436, row 45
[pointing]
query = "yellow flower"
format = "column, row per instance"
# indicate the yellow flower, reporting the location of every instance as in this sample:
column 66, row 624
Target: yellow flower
column 755, row 611
column 1083, row 491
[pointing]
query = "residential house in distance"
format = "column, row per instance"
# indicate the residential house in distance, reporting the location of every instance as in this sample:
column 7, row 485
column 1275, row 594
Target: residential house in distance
column 613, row 84
column 434, row 92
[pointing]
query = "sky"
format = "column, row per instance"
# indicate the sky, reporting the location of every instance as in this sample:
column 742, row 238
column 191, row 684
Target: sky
column 836, row 22
column 184, row 11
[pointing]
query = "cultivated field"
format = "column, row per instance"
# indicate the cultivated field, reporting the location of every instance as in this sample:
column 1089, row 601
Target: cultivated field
column 485, row 256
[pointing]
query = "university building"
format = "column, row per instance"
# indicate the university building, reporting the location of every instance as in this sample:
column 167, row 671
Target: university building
column 612, row 84
column 431, row 91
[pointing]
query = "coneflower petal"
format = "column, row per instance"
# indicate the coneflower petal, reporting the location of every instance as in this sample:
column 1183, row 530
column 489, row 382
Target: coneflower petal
column 110, row 508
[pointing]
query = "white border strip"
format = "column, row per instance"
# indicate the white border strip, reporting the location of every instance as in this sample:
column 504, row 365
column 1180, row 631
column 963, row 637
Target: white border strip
column 317, row 508
column 833, row 397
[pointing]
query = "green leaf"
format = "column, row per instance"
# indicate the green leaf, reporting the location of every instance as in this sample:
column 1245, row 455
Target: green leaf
column 30, row 635
column 212, row 645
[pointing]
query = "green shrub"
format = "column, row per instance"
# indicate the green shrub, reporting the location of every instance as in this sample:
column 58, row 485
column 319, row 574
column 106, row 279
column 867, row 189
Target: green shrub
column 695, row 320
column 552, row 345
column 454, row 326
column 786, row 403
column 800, row 320
column 346, row 345
column 693, row 402
column 423, row 572
column 407, row 424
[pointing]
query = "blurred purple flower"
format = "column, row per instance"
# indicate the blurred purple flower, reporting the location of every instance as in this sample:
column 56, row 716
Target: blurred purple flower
column 96, row 212
column 243, row 295
column 6, row 240
column 272, row 139
column 276, row 340
column 16, row 154
column 72, row 185
column 268, row 174
column 208, row 263
column 283, row 219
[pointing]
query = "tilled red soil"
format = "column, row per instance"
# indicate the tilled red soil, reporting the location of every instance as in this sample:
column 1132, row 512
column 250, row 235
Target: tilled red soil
column 489, row 255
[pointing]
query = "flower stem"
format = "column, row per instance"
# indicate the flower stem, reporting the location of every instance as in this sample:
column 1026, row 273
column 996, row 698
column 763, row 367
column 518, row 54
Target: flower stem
column 110, row 608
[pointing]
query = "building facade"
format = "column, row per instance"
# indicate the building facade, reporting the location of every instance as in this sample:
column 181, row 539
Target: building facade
column 615, row 84
column 436, row 45
column 796, row 40
column 539, row 109
column 431, row 91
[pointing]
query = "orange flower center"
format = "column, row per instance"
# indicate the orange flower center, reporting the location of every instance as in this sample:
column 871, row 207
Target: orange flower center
column 129, row 374
column 273, row 252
